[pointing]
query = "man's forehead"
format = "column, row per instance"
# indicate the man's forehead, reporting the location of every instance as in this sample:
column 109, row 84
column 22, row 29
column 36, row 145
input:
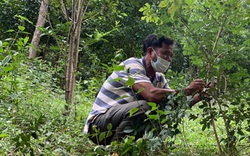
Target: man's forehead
column 166, row 47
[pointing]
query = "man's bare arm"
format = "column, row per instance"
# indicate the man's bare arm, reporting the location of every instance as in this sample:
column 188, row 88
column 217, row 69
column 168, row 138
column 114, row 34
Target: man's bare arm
column 151, row 93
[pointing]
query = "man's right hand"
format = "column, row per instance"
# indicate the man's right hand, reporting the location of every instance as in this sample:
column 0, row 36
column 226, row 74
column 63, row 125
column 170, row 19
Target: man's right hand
column 196, row 86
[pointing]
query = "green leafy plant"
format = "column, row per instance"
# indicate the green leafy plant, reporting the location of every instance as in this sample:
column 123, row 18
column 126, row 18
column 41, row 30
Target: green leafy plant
column 217, row 52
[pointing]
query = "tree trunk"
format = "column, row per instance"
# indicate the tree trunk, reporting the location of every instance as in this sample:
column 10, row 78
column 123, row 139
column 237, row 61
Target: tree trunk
column 74, row 39
column 40, row 23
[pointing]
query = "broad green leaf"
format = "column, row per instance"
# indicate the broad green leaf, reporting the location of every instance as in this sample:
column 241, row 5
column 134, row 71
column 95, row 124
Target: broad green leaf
column 126, row 150
column 94, row 127
column 23, row 18
column 4, row 135
column 102, row 136
column 155, row 116
column 140, row 90
column 116, row 79
column 105, row 65
column 8, row 68
column 41, row 28
column 109, row 127
column 146, row 7
column 118, row 68
column 124, row 14
column 130, row 81
column 166, row 112
column 241, row 49
column 25, row 40
column 22, row 28
column 133, row 111
column 109, row 133
column 164, row 120
column 10, row 30
column 6, row 60
column 164, row 4
column 152, row 105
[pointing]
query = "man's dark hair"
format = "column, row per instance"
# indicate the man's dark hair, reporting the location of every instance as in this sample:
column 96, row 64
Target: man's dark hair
column 152, row 41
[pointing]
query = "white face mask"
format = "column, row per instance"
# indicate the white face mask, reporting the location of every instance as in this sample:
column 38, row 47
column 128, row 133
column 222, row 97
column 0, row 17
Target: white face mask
column 161, row 65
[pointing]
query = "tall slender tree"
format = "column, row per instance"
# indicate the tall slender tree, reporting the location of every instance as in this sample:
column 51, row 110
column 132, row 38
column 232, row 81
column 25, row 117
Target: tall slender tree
column 40, row 23
column 74, row 38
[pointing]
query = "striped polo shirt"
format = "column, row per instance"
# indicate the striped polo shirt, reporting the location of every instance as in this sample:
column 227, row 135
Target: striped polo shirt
column 115, row 91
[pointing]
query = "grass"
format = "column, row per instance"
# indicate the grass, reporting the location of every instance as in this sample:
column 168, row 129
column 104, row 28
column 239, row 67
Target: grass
column 194, row 141
column 57, row 136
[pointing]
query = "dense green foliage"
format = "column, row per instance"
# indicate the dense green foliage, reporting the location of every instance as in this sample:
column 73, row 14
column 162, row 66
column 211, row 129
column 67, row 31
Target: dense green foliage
column 215, row 41
column 10, row 9
column 212, row 42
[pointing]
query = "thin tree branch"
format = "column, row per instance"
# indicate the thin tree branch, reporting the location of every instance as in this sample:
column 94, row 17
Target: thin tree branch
column 217, row 39
column 64, row 9
column 85, row 10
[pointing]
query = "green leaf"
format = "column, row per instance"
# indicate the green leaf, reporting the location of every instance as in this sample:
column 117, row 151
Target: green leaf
column 118, row 68
column 145, row 8
column 165, row 112
column 8, row 68
column 23, row 18
column 152, row 105
column 109, row 126
column 109, row 133
column 10, row 30
column 4, row 135
column 25, row 40
column 130, row 81
column 41, row 28
column 116, row 79
column 102, row 136
column 164, row 4
column 126, row 151
column 133, row 111
column 164, row 120
column 154, row 116
column 128, row 130
column 6, row 60
column 140, row 90
column 94, row 127
column 124, row 14
column 22, row 28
